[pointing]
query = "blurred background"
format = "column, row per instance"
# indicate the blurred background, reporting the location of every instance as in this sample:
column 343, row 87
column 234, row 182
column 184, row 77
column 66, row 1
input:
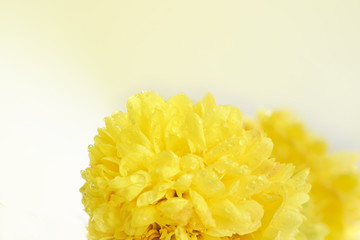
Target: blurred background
column 64, row 65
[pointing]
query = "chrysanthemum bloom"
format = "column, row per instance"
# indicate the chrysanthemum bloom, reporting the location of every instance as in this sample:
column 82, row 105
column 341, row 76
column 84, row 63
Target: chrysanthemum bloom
column 175, row 170
column 333, row 211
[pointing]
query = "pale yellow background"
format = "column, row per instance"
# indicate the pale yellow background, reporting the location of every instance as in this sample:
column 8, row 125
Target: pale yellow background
column 64, row 65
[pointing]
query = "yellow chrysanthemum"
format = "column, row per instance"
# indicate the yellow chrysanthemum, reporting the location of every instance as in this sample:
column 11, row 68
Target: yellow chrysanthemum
column 333, row 211
column 175, row 170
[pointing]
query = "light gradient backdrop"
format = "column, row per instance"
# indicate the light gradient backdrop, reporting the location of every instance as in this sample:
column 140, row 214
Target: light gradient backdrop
column 64, row 65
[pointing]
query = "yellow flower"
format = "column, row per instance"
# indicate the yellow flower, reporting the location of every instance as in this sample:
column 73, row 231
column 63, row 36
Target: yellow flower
column 333, row 211
column 175, row 170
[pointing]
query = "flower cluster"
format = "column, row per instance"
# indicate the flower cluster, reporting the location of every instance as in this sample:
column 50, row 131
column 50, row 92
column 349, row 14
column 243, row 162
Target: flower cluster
column 178, row 170
column 333, row 211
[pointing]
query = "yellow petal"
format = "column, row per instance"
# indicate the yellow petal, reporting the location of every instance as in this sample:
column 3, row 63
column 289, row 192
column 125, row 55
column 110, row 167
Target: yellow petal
column 166, row 164
column 207, row 183
column 243, row 218
column 191, row 162
column 175, row 211
column 202, row 210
